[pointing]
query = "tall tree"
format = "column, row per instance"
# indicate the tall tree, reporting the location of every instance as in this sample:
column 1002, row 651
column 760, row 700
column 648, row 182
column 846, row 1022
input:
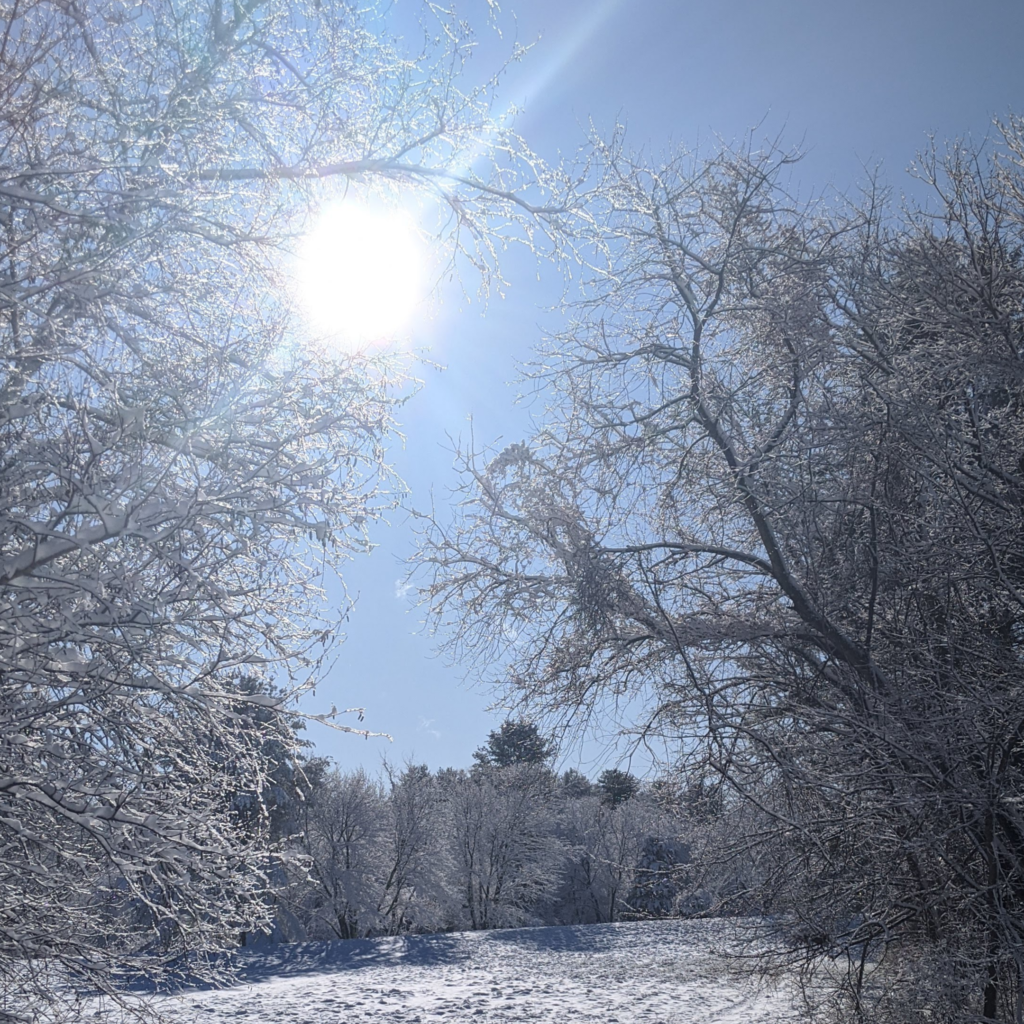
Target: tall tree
column 342, row 838
column 180, row 463
column 604, row 845
column 503, row 851
column 617, row 786
column 516, row 742
column 778, row 501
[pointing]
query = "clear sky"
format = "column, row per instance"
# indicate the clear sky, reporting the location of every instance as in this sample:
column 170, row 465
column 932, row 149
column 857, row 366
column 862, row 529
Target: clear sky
column 856, row 85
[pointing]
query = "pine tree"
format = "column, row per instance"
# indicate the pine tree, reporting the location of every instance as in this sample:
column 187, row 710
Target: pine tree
column 517, row 742
column 617, row 786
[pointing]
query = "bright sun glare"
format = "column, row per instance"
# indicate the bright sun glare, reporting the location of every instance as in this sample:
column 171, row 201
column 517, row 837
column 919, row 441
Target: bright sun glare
column 359, row 273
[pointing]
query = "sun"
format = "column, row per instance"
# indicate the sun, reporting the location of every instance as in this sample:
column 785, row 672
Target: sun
column 359, row 273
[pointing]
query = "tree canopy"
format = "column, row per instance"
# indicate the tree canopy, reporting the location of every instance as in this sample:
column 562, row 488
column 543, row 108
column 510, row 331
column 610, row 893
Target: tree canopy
column 776, row 503
column 182, row 462
column 617, row 786
column 515, row 742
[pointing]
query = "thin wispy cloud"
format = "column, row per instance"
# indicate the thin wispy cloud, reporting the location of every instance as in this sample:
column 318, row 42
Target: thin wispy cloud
column 426, row 725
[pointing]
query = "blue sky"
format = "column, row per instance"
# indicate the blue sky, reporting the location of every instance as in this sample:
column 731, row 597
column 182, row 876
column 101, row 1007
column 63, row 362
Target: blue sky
column 857, row 85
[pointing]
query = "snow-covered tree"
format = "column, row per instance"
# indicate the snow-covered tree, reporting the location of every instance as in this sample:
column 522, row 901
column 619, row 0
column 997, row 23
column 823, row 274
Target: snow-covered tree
column 411, row 892
column 503, row 853
column 180, row 464
column 485, row 848
column 604, row 844
column 774, row 512
column 343, row 830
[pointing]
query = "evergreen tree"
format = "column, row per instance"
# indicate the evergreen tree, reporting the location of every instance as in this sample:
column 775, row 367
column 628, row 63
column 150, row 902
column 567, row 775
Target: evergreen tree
column 576, row 785
column 617, row 786
column 517, row 742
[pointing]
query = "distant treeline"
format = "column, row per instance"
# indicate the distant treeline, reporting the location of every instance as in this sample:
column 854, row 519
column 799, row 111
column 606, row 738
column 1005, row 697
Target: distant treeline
column 508, row 842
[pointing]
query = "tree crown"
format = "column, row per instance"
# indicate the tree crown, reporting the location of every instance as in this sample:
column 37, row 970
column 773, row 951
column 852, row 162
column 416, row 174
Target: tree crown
column 516, row 742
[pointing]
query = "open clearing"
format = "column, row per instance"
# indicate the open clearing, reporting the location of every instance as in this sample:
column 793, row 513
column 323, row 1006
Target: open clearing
column 635, row 973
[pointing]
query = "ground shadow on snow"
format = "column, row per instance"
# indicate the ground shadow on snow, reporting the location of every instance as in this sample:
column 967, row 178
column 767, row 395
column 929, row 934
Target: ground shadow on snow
column 263, row 962
column 578, row 938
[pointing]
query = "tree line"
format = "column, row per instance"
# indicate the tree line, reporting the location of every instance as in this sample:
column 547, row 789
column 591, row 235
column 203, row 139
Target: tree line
column 506, row 843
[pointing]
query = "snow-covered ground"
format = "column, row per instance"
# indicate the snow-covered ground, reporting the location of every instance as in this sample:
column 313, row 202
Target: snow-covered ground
column 662, row 972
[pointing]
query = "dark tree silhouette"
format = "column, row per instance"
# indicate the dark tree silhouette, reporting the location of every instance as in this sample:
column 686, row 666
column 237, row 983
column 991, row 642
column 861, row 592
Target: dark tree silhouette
column 516, row 742
column 617, row 786
column 574, row 784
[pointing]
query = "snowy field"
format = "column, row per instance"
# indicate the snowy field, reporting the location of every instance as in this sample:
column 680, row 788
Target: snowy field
column 663, row 972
